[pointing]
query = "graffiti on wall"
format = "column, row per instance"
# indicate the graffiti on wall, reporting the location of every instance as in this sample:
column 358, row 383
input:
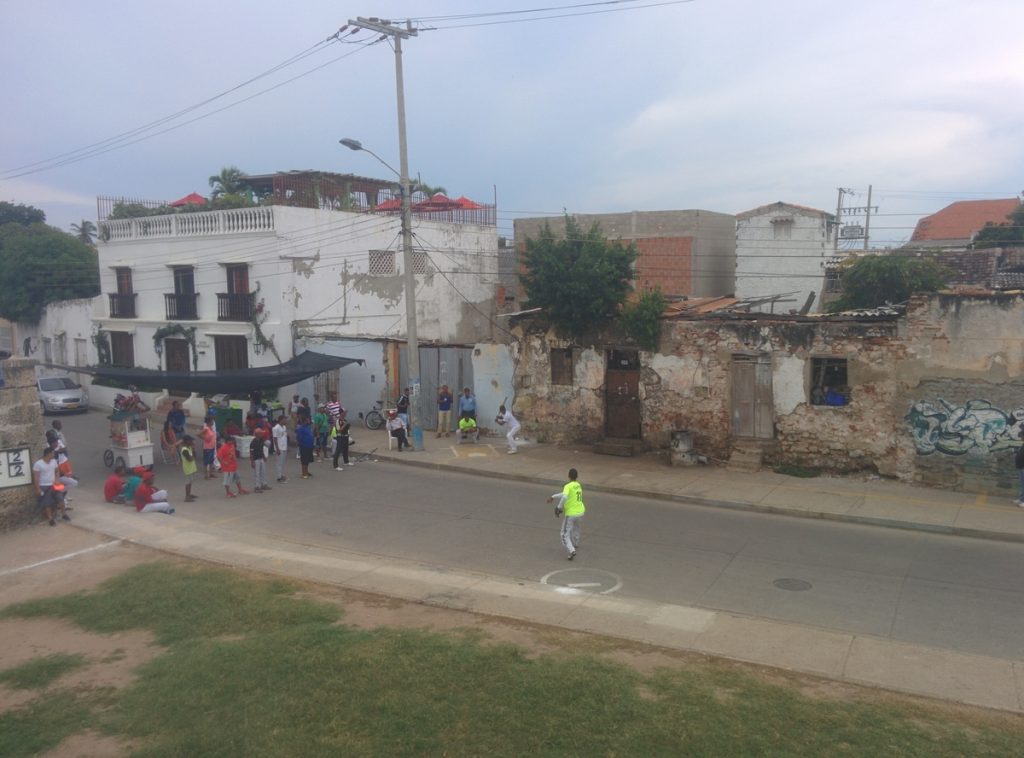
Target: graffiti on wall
column 977, row 426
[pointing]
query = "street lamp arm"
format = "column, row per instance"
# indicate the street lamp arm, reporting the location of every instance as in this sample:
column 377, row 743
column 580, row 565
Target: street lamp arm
column 354, row 144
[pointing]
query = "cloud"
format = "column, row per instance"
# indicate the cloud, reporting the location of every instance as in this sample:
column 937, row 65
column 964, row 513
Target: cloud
column 36, row 193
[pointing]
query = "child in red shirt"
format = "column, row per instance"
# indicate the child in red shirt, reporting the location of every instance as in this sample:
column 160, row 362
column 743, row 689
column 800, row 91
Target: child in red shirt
column 114, row 485
column 228, row 457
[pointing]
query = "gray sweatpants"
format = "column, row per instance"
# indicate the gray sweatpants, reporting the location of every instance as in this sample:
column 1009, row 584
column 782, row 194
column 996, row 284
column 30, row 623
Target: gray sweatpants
column 571, row 533
column 280, row 463
column 259, row 472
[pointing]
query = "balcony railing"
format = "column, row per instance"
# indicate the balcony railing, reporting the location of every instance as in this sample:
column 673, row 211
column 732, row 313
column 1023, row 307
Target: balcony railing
column 234, row 307
column 181, row 307
column 122, row 306
column 202, row 224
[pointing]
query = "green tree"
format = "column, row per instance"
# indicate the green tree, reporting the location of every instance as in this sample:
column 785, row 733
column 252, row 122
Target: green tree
column 641, row 319
column 580, row 281
column 875, row 280
column 40, row 265
column 230, row 181
column 417, row 186
column 1000, row 235
column 20, row 214
column 85, row 231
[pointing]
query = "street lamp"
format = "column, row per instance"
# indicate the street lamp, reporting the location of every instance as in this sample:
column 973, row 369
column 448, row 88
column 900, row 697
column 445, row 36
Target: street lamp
column 410, row 280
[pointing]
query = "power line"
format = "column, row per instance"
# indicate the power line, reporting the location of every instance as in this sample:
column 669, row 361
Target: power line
column 555, row 16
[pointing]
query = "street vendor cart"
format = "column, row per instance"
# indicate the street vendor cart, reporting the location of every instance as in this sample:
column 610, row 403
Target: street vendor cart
column 130, row 441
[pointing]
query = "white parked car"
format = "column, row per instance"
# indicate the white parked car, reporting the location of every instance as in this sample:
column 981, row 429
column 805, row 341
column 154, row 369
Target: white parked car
column 60, row 394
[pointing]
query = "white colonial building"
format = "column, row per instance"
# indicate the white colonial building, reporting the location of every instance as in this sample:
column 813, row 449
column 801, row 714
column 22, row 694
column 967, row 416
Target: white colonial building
column 782, row 249
column 249, row 287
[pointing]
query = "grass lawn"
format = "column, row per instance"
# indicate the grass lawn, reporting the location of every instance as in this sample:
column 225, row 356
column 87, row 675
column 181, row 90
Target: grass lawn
column 250, row 669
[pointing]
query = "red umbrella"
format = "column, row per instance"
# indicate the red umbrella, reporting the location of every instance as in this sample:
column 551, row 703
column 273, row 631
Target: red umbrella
column 191, row 199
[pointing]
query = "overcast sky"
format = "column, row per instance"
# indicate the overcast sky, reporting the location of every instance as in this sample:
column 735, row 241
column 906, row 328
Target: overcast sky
column 722, row 105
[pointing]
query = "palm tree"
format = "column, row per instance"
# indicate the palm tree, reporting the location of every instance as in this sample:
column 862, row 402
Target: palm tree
column 86, row 231
column 228, row 182
column 426, row 189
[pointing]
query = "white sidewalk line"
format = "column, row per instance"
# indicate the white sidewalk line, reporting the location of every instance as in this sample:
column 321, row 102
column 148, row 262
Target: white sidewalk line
column 59, row 558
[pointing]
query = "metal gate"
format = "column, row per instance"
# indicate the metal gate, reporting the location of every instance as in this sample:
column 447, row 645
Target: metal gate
column 324, row 385
column 752, row 404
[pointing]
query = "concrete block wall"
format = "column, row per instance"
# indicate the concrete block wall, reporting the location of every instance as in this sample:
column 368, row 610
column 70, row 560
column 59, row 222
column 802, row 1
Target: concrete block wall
column 21, row 425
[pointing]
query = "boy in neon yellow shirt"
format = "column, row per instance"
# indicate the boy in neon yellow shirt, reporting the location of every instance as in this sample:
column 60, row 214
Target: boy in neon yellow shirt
column 570, row 502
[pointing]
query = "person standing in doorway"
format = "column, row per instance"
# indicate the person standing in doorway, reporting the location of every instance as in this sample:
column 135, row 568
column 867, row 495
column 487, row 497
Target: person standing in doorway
column 444, row 411
column 467, row 403
column 570, row 503
column 279, row 437
column 505, row 418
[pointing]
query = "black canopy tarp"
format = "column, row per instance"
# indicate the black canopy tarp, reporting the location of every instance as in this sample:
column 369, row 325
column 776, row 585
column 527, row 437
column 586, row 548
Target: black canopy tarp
column 226, row 381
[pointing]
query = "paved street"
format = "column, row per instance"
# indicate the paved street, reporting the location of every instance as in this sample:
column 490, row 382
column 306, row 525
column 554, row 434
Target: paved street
column 955, row 593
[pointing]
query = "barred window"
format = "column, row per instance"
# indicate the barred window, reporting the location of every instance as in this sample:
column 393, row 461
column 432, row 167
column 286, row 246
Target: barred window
column 122, row 349
column 382, row 263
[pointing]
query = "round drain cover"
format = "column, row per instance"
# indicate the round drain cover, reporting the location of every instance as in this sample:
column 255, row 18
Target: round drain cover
column 793, row 585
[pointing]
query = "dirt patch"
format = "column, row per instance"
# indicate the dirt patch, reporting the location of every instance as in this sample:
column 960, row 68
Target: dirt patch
column 89, row 745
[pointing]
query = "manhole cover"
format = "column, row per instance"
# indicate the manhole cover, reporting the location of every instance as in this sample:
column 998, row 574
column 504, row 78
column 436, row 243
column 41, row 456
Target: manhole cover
column 793, row 585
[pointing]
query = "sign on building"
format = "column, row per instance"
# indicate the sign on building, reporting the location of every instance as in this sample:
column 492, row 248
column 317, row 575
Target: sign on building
column 15, row 467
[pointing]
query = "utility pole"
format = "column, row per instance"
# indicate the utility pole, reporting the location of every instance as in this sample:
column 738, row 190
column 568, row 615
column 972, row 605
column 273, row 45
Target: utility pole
column 867, row 220
column 398, row 34
column 839, row 213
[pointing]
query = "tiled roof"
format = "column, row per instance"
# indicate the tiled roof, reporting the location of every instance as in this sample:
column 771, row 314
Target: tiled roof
column 781, row 206
column 1009, row 280
column 963, row 219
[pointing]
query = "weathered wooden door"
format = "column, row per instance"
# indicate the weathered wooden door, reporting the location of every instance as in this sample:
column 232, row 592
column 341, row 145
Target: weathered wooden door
column 622, row 394
column 177, row 358
column 752, row 406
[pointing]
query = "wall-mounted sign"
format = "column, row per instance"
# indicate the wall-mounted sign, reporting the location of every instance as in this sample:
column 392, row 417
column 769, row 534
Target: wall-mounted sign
column 15, row 467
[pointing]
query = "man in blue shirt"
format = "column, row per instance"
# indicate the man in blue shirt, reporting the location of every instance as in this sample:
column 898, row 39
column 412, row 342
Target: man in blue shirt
column 304, row 436
column 177, row 418
column 444, row 411
column 467, row 404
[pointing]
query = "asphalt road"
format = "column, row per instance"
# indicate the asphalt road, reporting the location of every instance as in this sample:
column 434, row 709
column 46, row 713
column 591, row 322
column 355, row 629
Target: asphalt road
column 953, row 593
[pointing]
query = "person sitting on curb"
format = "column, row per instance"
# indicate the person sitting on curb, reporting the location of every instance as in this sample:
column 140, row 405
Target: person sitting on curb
column 468, row 430
column 114, row 486
column 148, row 499
column 396, row 428
column 49, row 491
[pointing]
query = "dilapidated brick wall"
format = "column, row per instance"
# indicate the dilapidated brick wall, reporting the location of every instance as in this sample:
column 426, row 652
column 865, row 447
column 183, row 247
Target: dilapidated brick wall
column 21, row 426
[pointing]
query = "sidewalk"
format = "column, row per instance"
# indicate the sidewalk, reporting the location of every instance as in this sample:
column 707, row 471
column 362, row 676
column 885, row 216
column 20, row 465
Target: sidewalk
column 853, row 499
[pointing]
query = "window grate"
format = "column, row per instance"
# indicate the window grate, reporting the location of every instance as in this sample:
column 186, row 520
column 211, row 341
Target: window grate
column 420, row 262
column 381, row 263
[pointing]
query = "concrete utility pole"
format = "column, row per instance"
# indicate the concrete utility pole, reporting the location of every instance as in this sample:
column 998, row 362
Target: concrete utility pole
column 839, row 212
column 867, row 220
column 398, row 34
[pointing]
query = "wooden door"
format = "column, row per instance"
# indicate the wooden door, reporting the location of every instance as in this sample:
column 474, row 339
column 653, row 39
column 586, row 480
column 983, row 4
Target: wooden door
column 752, row 405
column 622, row 395
column 176, row 351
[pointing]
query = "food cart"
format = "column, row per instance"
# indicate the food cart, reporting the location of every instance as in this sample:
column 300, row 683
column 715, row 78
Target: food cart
column 130, row 441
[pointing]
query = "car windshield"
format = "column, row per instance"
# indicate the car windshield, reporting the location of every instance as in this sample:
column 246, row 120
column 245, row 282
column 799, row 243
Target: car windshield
column 54, row 383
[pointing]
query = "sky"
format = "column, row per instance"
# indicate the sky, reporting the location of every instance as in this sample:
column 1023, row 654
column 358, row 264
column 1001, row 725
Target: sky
column 721, row 105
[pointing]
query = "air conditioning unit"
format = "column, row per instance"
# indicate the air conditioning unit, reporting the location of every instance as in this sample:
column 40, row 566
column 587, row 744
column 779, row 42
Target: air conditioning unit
column 852, row 231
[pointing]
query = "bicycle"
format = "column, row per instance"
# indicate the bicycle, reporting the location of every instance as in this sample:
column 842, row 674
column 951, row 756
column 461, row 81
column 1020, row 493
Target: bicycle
column 374, row 419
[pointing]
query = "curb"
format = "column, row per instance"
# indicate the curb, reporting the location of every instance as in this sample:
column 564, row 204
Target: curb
column 954, row 531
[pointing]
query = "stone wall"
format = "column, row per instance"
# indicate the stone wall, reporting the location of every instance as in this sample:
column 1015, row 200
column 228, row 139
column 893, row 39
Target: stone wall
column 936, row 396
column 21, row 425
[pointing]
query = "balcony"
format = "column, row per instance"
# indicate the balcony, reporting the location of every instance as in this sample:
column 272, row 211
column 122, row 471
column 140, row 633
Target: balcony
column 201, row 224
column 234, row 307
column 181, row 307
column 122, row 306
